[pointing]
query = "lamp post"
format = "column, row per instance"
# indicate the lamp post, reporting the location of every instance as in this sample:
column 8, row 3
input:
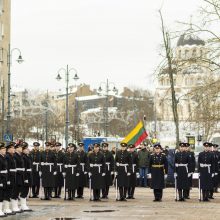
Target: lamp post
column 67, row 72
column 9, row 63
column 105, row 109
column 76, row 78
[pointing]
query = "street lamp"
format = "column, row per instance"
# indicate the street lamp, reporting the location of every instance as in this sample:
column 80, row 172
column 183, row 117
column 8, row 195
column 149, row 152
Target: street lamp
column 105, row 109
column 9, row 63
column 76, row 78
column 67, row 72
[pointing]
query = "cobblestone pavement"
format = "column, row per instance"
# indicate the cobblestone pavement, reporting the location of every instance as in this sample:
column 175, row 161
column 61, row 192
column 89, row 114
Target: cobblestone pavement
column 141, row 208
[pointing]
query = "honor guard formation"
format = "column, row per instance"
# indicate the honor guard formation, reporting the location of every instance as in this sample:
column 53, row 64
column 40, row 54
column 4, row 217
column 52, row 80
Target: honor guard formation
column 44, row 174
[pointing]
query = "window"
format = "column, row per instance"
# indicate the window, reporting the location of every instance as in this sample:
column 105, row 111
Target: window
column 194, row 53
column 201, row 53
column 186, row 54
column 179, row 55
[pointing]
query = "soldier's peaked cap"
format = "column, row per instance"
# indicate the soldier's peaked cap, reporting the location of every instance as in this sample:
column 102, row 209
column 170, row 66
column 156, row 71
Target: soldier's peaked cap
column 187, row 144
column 123, row 144
column 2, row 145
column 80, row 144
column 131, row 145
column 181, row 144
column 206, row 144
column 96, row 144
column 104, row 144
column 58, row 144
column 157, row 145
column 215, row 145
column 11, row 144
column 36, row 144
column 72, row 145
column 47, row 144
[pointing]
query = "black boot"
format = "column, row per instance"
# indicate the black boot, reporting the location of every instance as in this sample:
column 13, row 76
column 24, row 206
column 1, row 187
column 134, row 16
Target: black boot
column 181, row 198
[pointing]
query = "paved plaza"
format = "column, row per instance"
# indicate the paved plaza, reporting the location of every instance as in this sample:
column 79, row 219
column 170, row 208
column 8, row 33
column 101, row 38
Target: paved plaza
column 141, row 208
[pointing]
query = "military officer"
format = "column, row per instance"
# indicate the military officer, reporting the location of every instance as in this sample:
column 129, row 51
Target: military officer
column 158, row 167
column 191, row 168
column 28, row 179
column 109, row 167
column 48, row 170
column 132, row 179
column 11, row 178
column 122, row 170
column 83, row 170
column 3, row 176
column 181, row 171
column 35, row 155
column 71, row 171
column 217, row 158
column 59, row 177
column 96, row 168
column 206, row 166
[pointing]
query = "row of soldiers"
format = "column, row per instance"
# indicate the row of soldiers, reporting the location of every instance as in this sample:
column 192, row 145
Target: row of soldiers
column 53, row 169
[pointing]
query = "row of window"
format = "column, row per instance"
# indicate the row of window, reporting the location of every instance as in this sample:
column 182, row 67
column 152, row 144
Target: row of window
column 186, row 54
column 188, row 81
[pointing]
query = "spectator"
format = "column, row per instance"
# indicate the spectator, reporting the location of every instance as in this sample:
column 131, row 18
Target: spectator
column 143, row 156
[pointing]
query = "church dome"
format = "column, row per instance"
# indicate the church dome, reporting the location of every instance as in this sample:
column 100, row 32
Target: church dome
column 189, row 39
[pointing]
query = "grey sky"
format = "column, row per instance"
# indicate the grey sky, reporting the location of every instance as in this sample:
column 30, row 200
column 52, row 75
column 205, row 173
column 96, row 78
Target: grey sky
column 114, row 39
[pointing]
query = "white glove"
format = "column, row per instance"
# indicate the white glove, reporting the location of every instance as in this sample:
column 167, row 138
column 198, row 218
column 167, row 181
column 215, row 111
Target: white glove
column 77, row 174
column 213, row 174
column 216, row 174
column 137, row 175
column 165, row 176
column 8, row 182
column 128, row 174
column 26, row 181
column 149, row 175
column 55, row 173
column 103, row 174
column 189, row 174
column 175, row 175
column 64, row 174
column 112, row 173
column 90, row 174
column 85, row 172
column 40, row 173
column 1, row 185
column 116, row 173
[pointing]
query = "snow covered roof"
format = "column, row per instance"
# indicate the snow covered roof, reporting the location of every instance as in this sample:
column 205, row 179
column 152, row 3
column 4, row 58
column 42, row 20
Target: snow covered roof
column 94, row 110
column 90, row 97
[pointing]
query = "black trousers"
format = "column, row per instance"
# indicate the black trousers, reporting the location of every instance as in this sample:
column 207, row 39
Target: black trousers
column 205, row 195
column 80, row 191
column 47, row 192
column 8, row 193
column 57, row 191
column 158, row 193
column 71, row 193
column 131, row 191
column 35, row 190
column 2, row 194
column 96, row 194
column 105, row 191
column 123, row 192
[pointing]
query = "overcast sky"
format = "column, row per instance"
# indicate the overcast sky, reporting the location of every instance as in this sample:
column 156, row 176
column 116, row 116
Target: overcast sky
column 115, row 39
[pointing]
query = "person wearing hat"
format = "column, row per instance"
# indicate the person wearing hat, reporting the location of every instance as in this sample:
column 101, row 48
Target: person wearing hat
column 27, row 177
column 96, row 169
column 181, row 171
column 35, row 155
column 132, row 179
column 19, row 161
column 217, row 159
column 122, row 170
column 48, row 171
column 192, row 166
column 83, row 158
column 109, row 167
column 206, row 170
column 158, row 168
column 11, row 179
column 59, row 177
column 3, row 177
column 71, row 172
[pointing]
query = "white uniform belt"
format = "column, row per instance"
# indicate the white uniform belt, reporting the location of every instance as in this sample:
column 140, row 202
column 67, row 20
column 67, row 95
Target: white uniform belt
column 123, row 165
column 72, row 166
column 96, row 165
column 60, row 165
column 12, row 170
column 206, row 165
column 47, row 164
column 108, row 165
column 29, row 170
column 37, row 165
column 133, row 166
column 182, row 165
column 83, row 166
column 20, row 169
column 3, row 171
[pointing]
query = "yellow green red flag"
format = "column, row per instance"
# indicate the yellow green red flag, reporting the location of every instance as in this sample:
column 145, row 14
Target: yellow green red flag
column 137, row 135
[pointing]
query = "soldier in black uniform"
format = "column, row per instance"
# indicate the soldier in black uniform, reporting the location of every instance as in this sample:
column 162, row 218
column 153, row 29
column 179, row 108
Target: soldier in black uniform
column 217, row 162
column 59, row 177
column 83, row 170
column 132, row 179
column 19, row 161
column 122, row 170
column 181, row 171
column 158, row 167
column 11, row 178
column 49, row 170
column 28, row 179
column 191, row 168
column 206, row 166
column 35, row 154
column 109, row 167
column 71, row 171
column 3, row 177
column 96, row 168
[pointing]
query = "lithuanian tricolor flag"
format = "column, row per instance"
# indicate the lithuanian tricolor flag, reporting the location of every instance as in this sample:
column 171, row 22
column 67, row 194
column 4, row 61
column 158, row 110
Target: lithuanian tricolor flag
column 137, row 135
